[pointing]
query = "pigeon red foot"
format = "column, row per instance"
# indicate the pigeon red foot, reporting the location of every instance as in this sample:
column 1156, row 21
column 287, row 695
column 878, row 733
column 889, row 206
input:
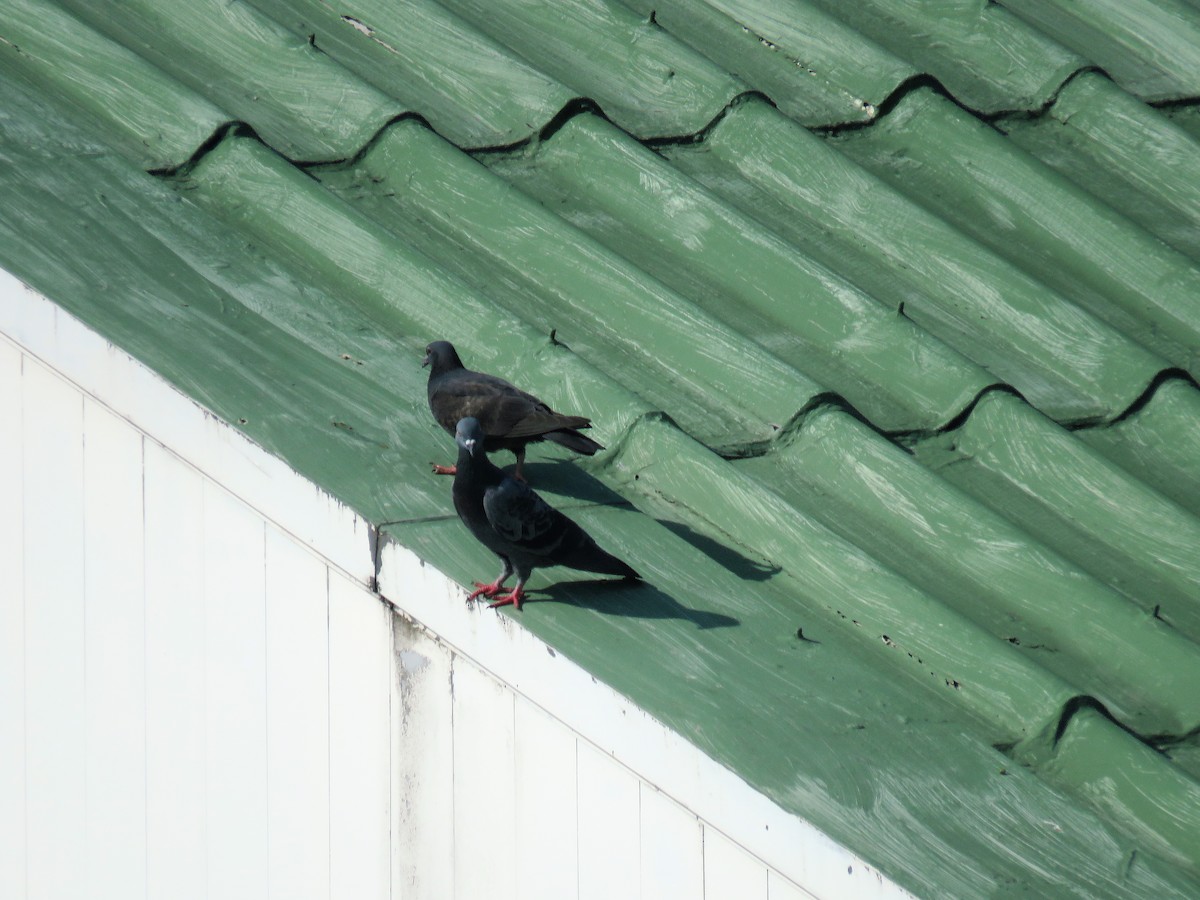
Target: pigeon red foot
column 514, row 598
column 444, row 470
column 486, row 590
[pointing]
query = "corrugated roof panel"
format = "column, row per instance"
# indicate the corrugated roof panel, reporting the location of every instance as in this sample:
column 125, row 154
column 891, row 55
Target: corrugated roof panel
column 474, row 91
column 632, row 201
column 302, row 102
column 875, row 495
column 528, row 260
column 971, row 176
column 1123, row 151
column 977, row 302
column 646, row 81
column 1061, row 491
column 1149, row 47
column 160, row 124
column 816, row 70
column 986, row 57
column 1157, row 442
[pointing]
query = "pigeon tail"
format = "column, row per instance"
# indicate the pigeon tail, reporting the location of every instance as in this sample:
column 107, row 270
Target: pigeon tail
column 593, row 559
column 573, row 440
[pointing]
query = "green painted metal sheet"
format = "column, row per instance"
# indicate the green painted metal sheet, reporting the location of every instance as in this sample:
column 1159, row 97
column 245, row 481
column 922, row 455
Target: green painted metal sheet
column 1071, row 498
column 1157, row 442
column 646, row 81
column 1128, row 154
column 632, row 201
column 472, row 90
column 298, row 99
column 818, row 71
column 529, row 261
column 1149, row 47
column 875, row 495
column 968, row 174
column 987, row 58
column 1062, row 359
column 159, row 124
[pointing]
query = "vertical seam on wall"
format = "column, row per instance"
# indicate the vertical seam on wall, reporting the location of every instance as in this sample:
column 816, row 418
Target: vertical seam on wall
column 328, row 747
column 145, row 694
column 266, row 532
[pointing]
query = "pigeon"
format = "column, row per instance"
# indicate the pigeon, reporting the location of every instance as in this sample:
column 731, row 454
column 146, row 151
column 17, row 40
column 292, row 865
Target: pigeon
column 509, row 417
column 512, row 521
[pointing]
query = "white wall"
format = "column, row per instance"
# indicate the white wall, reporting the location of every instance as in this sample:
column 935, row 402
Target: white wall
column 201, row 697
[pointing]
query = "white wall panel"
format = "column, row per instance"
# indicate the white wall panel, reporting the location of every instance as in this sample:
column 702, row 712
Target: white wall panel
column 780, row 888
column 52, row 422
column 423, row 750
column 360, row 673
column 484, row 799
column 672, row 848
column 297, row 630
column 176, row 782
column 12, row 630
column 546, row 824
column 114, row 596
column 235, row 696
column 609, row 828
column 730, row 873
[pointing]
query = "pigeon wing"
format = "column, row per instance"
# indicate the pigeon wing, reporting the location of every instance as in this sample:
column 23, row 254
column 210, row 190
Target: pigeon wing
column 498, row 405
column 522, row 518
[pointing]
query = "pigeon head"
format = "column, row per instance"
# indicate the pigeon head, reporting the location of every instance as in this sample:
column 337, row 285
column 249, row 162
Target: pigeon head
column 469, row 435
column 441, row 357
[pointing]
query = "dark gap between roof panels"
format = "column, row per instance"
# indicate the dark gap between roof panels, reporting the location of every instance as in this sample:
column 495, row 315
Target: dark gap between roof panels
column 1166, row 375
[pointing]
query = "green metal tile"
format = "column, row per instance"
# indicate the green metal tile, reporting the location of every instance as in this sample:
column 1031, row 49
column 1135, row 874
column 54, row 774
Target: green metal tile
column 1053, row 484
column 1157, row 442
column 149, row 116
column 1126, row 153
column 474, row 91
column 974, row 178
column 433, row 196
column 646, row 81
column 650, row 213
column 875, row 495
column 1156, row 802
column 299, row 100
column 815, row 69
column 401, row 291
column 1151, row 47
column 1064, row 360
column 984, row 55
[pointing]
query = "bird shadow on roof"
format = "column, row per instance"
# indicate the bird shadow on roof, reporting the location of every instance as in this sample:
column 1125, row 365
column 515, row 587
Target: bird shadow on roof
column 562, row 479
column 737, row 563
column 635, row 599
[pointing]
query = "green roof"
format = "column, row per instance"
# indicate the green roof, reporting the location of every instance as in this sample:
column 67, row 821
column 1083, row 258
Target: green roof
column 886, row 312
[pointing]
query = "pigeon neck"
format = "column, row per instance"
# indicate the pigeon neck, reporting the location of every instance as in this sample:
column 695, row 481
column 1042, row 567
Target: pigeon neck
column 478, row 467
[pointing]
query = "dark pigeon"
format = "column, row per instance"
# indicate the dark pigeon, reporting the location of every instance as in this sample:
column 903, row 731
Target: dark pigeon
column 509, row 417
column 516, row 524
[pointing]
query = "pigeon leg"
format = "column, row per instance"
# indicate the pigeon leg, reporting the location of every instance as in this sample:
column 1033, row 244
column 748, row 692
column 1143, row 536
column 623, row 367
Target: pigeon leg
column 491, row 590
column 444, row 470
column 520, row 462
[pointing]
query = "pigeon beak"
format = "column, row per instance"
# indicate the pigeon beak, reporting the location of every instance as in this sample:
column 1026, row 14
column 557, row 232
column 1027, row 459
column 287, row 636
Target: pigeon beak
column 425, row 361
column 468, row 445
